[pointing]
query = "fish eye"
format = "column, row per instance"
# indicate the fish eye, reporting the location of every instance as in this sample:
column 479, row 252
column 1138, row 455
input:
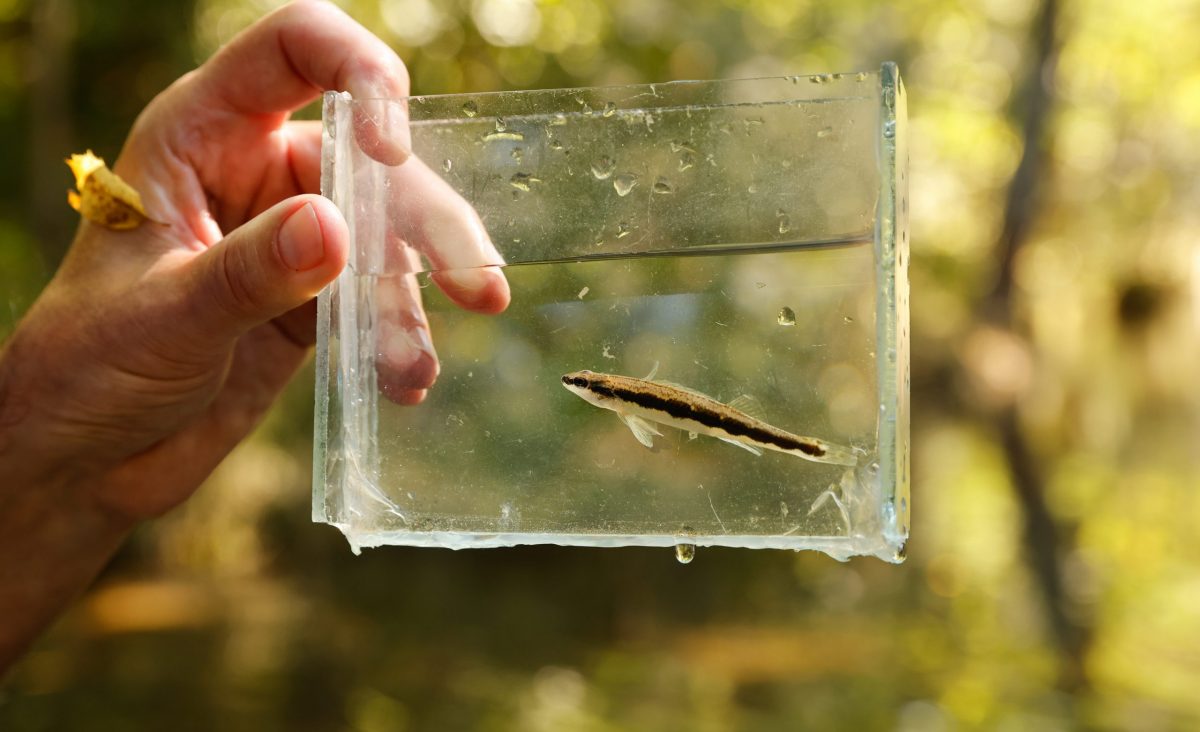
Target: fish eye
column 572, row 380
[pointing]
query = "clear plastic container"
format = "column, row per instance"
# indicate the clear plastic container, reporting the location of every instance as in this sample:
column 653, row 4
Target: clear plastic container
column 740, row 244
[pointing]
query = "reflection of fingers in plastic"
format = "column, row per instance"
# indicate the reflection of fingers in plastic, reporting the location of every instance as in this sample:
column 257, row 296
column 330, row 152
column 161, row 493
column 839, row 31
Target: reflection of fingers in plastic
column 381, row 129
column 406, row 360
column 406, row 363
column 440, row 224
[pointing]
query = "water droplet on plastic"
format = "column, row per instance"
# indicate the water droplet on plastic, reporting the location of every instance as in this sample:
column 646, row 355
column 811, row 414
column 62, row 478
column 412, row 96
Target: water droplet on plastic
column 447, row 164
column 786, row 316
column 624, row 183
column 516, row 154
column 783, row 510
column 752, row 188
column 503, row 135
column 603, row 167
column 685, row 553
column 622, row 230
column 760, row 285
column 785, row 222
column 889, row 129
column 663, row 186
column 677, row 145
column 847, row 320
column 609, row 109
column 523, row 181
column 686, row 160
column 501, row 125
column 558, row 120
column 556, row 145
column 860, row 76
column 825, row 132
column 470, row 109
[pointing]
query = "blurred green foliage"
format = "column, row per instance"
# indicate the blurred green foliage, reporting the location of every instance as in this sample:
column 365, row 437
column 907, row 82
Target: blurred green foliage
column 235, row 613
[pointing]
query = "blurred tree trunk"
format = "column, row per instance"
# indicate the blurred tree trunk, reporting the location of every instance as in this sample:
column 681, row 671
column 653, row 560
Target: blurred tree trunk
column 52, row 28
column 1042, row 535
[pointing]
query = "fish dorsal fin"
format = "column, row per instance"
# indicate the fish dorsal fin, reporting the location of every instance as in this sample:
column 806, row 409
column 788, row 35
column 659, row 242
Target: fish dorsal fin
column 687, row 389
column 749, row 406
column 653, row 371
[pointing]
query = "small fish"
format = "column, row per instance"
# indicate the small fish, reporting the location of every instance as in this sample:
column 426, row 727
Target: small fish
column 640, row 403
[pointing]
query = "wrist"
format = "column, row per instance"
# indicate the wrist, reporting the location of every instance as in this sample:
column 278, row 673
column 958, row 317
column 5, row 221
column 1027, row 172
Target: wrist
column 30, row 453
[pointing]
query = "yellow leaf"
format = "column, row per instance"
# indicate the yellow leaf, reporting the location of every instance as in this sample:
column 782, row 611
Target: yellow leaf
column 102, row 196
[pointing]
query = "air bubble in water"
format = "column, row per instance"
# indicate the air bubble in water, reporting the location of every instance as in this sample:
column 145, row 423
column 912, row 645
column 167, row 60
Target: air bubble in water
column 622, row 230
column 470, row 109
column 447, row 164
column 889, row 129
column 609, row 109
column 786, row 316
column 624, row 183
column 603, row 167
column 825, row 132
column 685, row 553
column 663, row 186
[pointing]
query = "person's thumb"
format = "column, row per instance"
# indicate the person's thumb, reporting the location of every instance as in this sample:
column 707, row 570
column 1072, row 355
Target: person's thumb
column 273, row 263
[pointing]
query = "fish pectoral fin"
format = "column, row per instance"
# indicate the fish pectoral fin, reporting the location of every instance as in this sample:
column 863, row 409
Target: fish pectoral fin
column 748, row 448
column 643, row 430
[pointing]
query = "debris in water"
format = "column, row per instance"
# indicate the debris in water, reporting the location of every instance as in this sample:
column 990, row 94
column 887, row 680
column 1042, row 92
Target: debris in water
column 583, row 292
column 523, row 181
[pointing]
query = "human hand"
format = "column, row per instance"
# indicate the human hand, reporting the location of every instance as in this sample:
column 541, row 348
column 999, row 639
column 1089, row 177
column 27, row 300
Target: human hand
column 153, row 352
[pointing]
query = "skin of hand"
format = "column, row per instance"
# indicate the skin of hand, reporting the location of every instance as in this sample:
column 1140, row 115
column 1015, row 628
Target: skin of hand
column 153, row 352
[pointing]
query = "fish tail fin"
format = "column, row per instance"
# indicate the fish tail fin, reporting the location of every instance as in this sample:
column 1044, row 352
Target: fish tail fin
column 835, row 454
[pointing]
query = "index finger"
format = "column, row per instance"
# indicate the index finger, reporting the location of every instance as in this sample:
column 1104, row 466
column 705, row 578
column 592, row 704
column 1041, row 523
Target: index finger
column 285, row 60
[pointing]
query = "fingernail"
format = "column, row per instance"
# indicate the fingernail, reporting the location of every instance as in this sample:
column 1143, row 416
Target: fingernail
column 301, row 241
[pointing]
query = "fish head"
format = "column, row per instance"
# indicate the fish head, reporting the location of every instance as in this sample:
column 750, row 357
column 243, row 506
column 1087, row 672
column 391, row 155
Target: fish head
column 579, row 383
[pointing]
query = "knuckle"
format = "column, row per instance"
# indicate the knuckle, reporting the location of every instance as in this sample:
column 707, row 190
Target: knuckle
column 237, row 295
